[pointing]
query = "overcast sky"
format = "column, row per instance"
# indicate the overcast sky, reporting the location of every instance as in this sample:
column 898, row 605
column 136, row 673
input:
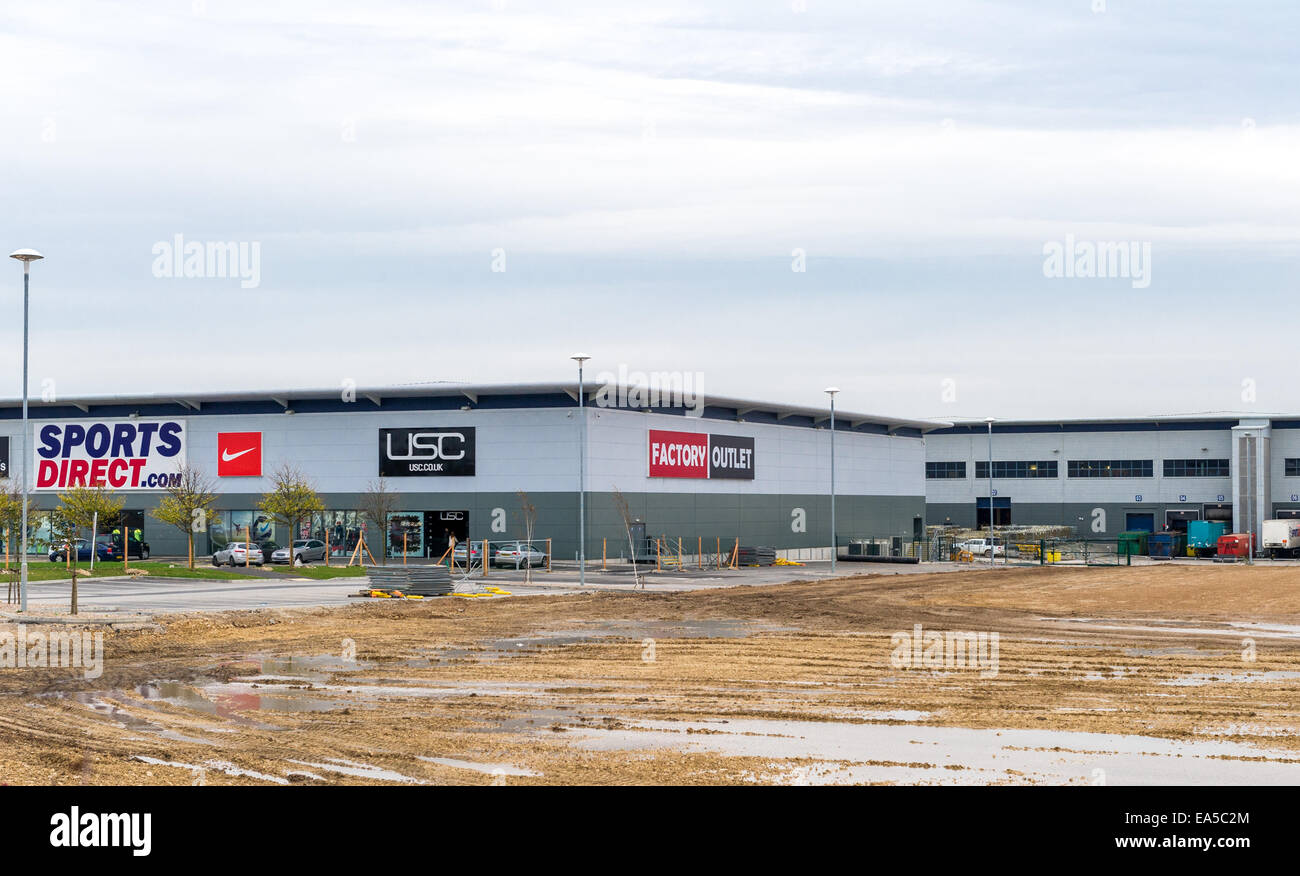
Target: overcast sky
column 648, row 175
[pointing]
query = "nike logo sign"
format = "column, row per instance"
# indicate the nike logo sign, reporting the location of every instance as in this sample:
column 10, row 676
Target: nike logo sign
column 227, row 456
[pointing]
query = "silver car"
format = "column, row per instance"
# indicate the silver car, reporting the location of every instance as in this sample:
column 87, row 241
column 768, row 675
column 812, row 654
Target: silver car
column 305, row 549
column 233, row 554
column 518, row 554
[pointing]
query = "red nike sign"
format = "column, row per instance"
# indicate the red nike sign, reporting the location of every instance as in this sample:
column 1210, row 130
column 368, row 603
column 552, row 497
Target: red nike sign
column 239, row 454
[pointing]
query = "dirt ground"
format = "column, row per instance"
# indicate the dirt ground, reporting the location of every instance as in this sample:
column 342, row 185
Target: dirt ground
column 524, row 690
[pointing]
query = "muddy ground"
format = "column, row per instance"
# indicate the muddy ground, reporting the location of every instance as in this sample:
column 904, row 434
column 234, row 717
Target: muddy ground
column 792, row 683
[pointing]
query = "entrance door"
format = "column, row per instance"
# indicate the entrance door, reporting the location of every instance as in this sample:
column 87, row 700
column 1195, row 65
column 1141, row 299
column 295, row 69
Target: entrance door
column 1140, row 521
column 441, row 526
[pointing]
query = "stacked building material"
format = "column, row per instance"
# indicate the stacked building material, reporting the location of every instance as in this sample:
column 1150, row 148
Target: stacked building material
column 750, row 555
column 413, row 580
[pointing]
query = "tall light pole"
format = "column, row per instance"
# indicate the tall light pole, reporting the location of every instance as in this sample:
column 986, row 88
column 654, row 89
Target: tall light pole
column 26, row 256
column 831, row 390
column 582, row 472
column 989, row 420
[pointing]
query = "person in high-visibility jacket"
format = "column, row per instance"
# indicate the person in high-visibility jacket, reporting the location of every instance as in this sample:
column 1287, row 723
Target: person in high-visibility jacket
column 137, row 535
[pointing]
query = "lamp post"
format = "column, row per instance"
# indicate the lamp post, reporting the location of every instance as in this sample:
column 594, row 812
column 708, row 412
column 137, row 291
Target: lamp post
column 992, row 549
column 831, row 390
column 582, row 472
column 26, row 256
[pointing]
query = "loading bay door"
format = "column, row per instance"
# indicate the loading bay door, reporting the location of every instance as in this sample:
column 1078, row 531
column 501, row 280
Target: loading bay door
column 1219, row 511
column 1177, row 520
column 1140, row 521
column 1001, row 511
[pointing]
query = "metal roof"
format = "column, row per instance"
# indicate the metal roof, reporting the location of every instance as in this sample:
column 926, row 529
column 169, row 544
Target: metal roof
column 475, row 395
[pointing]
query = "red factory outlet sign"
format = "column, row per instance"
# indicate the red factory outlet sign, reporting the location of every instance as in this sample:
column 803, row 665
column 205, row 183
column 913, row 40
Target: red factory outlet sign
column 699, row 455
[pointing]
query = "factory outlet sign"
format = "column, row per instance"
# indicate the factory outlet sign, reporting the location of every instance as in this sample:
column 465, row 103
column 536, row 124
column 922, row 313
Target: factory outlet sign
column 117, row 454
column 426, row 452
column 698, row 455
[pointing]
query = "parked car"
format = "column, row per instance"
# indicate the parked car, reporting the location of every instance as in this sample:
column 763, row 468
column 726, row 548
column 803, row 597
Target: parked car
column 458, row 554
column 305, row 549
column 59, row 553
column 237, row 553
column 113, row 550
column 518, row 554
column 980, row 547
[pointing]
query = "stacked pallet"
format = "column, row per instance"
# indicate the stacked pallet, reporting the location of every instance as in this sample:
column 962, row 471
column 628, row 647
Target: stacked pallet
column 412, row 580
column 749, row 555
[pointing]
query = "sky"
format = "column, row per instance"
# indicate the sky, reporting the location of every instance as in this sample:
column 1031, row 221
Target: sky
column 771, row 197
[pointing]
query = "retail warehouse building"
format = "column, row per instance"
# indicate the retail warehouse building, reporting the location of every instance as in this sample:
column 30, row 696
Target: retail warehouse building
column 1103, row 477
column 457, row 458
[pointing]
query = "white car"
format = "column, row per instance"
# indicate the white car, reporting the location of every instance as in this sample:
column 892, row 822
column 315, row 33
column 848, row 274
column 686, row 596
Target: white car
column 233, row 554
column 980, row 546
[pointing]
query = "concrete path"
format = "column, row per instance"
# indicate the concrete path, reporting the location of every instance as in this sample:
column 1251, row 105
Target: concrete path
column 153, row 596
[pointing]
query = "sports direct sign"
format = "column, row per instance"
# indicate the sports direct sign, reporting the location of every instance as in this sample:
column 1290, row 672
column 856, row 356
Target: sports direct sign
column 695, row 455
column 117, row 454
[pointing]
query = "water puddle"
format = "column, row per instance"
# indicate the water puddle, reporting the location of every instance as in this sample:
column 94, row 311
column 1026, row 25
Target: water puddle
column 851, row 753
column 595, row 631
column 1155, row 625
column 495, row 769
column 221, row 766
column 360, row 771
column 1200, row 679
column 231, row 698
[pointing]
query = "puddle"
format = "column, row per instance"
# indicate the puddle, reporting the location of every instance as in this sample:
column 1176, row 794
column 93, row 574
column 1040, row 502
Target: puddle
column 1199, row 679
column 221, row 766
column 1172, row 652
column 312, row 668
column 229, row 699
column 1155, row 625
column 360, row 770
column 954, row 755
column 113, row 711
column 495, row 769
column 593, row 631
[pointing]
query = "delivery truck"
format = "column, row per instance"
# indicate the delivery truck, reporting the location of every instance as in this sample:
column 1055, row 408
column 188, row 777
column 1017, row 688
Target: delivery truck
column 1280, row 538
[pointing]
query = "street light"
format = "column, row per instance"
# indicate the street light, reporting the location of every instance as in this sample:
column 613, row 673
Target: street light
column 582, row 473
column 992, row 548
column 26, row 256
column 831, row 390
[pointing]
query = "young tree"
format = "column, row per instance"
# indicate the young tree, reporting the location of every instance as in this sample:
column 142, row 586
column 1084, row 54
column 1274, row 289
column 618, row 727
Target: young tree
column 78, row 509
column 187, row 505
column 293, row 500
column 529, row 511
column 377, row 502
column 620, row 504
column 11, row 519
